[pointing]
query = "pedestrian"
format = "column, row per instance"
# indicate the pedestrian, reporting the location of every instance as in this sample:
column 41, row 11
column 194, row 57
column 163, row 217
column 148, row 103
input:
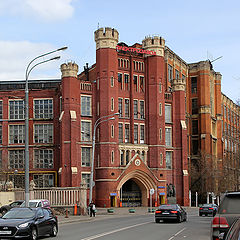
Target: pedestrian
column 92, row 208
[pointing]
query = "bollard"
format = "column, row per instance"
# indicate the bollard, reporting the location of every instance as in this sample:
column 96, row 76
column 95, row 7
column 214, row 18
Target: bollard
column 75, row 209
column 66, row 216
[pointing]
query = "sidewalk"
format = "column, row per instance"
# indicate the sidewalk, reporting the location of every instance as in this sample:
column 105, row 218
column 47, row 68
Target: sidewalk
column 103, row 214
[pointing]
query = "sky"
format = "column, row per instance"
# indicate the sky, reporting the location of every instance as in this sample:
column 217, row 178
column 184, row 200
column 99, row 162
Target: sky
column 194, row 30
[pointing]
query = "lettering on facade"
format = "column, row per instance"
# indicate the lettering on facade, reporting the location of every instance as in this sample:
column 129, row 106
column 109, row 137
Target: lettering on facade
column 137, row 50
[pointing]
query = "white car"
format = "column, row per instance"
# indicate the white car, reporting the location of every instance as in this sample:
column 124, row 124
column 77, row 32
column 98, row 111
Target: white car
column 37, row 203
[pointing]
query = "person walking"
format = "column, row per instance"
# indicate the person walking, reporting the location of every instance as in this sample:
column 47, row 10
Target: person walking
column 92, row 208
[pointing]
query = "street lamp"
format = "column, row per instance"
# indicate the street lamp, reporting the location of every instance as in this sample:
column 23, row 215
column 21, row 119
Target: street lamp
column 98, row 121
column 28, row 70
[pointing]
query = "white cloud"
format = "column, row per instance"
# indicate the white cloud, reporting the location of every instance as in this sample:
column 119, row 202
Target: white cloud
column 15, row 57
column 46, row 10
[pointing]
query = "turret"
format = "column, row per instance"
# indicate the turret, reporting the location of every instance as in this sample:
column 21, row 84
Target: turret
column 106, row 38
column 69, row 70
column 156, row 44
column 179, row 84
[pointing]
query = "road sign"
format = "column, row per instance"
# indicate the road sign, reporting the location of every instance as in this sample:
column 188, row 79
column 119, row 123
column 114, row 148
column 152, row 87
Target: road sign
column 151, row 191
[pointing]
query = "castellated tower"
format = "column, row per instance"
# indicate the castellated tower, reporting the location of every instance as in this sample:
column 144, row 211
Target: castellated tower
column 69, row 122
column 156, row 44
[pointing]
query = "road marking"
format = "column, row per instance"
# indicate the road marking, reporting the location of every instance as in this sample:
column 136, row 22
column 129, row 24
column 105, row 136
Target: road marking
column 114, row 231
column 176, row 234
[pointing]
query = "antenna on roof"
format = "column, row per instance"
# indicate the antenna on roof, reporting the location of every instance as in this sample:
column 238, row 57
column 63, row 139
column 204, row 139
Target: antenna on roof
column 216, row 59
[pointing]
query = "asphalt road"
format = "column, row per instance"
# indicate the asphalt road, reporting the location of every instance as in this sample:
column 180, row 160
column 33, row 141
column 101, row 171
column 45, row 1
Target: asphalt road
column 137, row 227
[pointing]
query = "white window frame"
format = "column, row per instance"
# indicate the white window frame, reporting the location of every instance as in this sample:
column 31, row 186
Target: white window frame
column 112, row 104
column 169, row 166
column 41, row 164
column 88, row 179
column 18, row 131
column 86, row 162
column 49, row 135
column 84, row 133
column 46, row 115
column 19, row 112
column 142, row 141
column 87, row 110
column 18, row 159
column 167, row 135
column 167, row 120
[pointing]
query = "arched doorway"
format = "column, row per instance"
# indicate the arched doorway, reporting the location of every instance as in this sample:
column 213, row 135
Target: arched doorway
column 131, row 194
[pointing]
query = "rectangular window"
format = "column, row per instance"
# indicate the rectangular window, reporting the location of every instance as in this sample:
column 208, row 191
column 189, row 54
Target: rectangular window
column 86, row 131
column 120, row 78
column 194, row 106
column 120, row 106
column 1, row 109
column 1, row 165
column 160, row 134
column 142, row 85
column 112, row 157
column 127, row 133
column 168, row 113
column 194, row 146
column 86, row 106
column 194, row 127
column 16, row 109
column 183, row 77
column 16, row 159
column 126, row 81
column 43, row 108
column 141, row 109
column 170, row 73
column 135, row 82
column 160, row 109
column 85, row 156
column 86, row 177
column 43, row 158
column 44, row 180
column 112, row 104
column 121, row 157
column 16, row 134
column 168, row 160
column 168, row 137
column 112, row 81
column 127, row 108
column 112, row 131
column 120, row 132
column 135, row 108
column 43, row 133
column 135, row 133
column 142, row 133
column 160, row 87
column 194, row 84
column 176, row 74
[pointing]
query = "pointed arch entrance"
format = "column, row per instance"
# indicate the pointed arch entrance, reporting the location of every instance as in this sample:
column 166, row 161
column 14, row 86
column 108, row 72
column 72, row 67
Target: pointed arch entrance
column 134, row 188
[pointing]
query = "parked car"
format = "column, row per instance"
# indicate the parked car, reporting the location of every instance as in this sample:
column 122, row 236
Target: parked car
column 28, row 223
column 208, row 209
column 233, row 233
column 37, row 203
column 170, row 212
column 6, row 208
column 228, row 212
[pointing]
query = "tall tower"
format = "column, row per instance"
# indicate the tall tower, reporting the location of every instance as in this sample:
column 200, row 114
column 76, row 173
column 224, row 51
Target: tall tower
column 69, row 126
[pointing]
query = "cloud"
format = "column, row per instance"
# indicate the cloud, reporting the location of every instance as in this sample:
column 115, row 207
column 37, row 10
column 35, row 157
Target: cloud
column 44, row 10
column 15, row 57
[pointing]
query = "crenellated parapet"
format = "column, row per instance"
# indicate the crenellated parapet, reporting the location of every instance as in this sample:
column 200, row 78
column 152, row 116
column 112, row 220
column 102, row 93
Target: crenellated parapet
column 156, row 44
column 106, row 38
column 69, row 69
column 179, row 84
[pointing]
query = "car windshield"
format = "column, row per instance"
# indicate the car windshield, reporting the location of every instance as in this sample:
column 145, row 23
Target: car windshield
column 31, row 204
column 230, row 204
column 207, row 205
column 19, row 213
column 168, row 207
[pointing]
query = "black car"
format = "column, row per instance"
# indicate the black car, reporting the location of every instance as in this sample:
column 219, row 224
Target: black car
column 6, row 208
column 228, row 212
column 28, row 223
column 208, row 209
column 170, row 212
column 233, row 233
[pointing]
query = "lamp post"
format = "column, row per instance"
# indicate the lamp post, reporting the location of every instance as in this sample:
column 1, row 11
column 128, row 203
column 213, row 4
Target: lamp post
column 98, row 121
column 28, row 71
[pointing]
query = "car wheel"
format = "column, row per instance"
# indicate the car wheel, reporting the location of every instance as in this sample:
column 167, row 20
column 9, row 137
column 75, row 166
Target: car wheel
column 34, row 234
column 179, row 219
column 54, row 230
column 200, row 214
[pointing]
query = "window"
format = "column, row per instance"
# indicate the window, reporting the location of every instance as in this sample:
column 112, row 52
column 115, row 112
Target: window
column 168, row 137
column 112, row 131
column 112, row 104
column 127, row 133
column 1, row 109
column 43, row 133
column 135, row 108
column 0, row 134
column 135, row 82
column 112, row 81
column 194, row 127
column 194, row 146
column 194, row 106
column 43, row 108
column 141, row 84
column 127, row 156
column 85, row 156
column 126, row 81
column 135, row 133
column 161, row 159
column 120, row 132
column 120, row 106
column 127, row 108
column 16, row 134
column 160, row 109
column 183, row 77
column 168, row 113
column 160, row 134
column 142, row 134
column 225, row 112
column 43, row 158
column 16, row 159
column 112, row 157
column 194, row 84
column 86, row 177
column 141, row 109
column 121, row 157
column 86, row 106
column 1, row 165
column 86, row 131
column 160, row 87
column 120, row 79
column 176, row 74
column 16, row 109
column 170, row 73
column 43, row 180
column 168, row 160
